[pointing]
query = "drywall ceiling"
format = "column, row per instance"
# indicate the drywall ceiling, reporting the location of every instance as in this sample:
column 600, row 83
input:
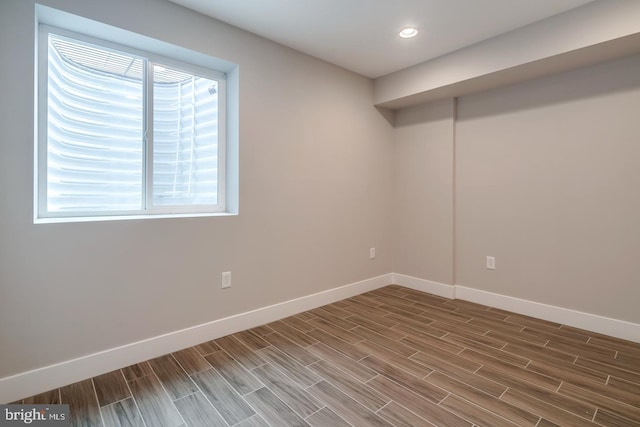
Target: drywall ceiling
column 361, row 35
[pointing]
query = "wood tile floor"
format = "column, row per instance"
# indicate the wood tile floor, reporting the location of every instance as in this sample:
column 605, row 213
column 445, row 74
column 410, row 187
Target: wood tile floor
column 390, row 357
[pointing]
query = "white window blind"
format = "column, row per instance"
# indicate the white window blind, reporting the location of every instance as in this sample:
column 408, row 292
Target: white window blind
column 128, row 135
column 185, row 111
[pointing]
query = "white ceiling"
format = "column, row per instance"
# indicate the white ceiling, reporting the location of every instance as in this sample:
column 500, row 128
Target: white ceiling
column 361, row 35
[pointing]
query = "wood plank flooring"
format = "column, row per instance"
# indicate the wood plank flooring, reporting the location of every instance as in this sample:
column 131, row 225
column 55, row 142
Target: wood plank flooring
column 390, row 357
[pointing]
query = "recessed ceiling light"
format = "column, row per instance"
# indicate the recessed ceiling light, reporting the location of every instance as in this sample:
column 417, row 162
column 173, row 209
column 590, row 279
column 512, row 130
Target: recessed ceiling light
column 408, row 33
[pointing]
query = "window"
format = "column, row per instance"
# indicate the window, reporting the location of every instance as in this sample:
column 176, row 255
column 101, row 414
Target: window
column 124, row 132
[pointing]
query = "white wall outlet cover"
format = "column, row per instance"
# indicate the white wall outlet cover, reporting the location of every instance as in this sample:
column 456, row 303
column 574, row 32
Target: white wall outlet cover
column 491, row 263
column 225, row 280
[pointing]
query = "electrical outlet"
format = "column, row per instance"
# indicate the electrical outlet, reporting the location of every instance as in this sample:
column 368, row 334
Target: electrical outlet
column 491, row 263
column 372, row 253
column 225, row 281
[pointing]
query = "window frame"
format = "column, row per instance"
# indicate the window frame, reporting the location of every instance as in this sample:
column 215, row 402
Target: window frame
column 148, row 210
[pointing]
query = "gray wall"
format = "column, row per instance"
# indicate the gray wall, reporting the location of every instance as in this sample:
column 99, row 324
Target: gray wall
column 546, row 180
column 423, row 192
column 315, row 191
column 542, row 175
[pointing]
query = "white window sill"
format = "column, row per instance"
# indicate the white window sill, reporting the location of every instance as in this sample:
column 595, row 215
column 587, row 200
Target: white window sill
column 128, row 217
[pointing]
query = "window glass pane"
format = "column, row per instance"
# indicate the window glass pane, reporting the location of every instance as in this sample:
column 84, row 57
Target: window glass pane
column 95, row 128
column 185, row 138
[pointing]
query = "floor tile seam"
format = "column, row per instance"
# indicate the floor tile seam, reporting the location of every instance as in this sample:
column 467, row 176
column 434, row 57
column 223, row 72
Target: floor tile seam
column 282, row 369
column 568, row 380
column 373, row 331
column 291, row 356
column 317, row 410
column 496, row 357
column 335, row 336
column 516, row 338
column 228, row 352
column 400, row 368
column 306, row 388
column 487, row 410
column 338, row 338
column 509, row 374
column 634, row 418
column 445, row 342
column 286, row 323
column 252, row 416
column 344, row 370
column 386, row 348
column 204, row 355
column 378, row 375
column 373, row 321
column 258, row 412
column 155, row 374
column 409, row 410
column 595, row 407
column 219, row 372
column 366, row 312
column 383, row 406
column 533, row 324
column 553, row 361
column 365, row 306
column 440, row 359
column 417, row 331
column 574, row 354
column 255, row 412
column 404, row 311
column 135, row 401
column 114, row 402
column 400, row 384
column 541, row 415
column 340, row 353
column 253, row 408
column 188, row 395
column 504, row 392
column 634, row 409
column 616, row 413
column 189, row 375
column 464, row 383
column 204, row 395
column 346, row 392
column 596, row 371
column 559, row 385
column 181, row 367
column 95, row 394
column 601, row 348
column 184, row 369
column 511, row 323
column 606, row 366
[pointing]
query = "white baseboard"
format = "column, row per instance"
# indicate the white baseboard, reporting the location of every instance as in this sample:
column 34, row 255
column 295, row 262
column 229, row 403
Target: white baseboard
column 46, row 378
column 578, row 319
column 435, row 288
column 590, row 322
column 49, row 377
